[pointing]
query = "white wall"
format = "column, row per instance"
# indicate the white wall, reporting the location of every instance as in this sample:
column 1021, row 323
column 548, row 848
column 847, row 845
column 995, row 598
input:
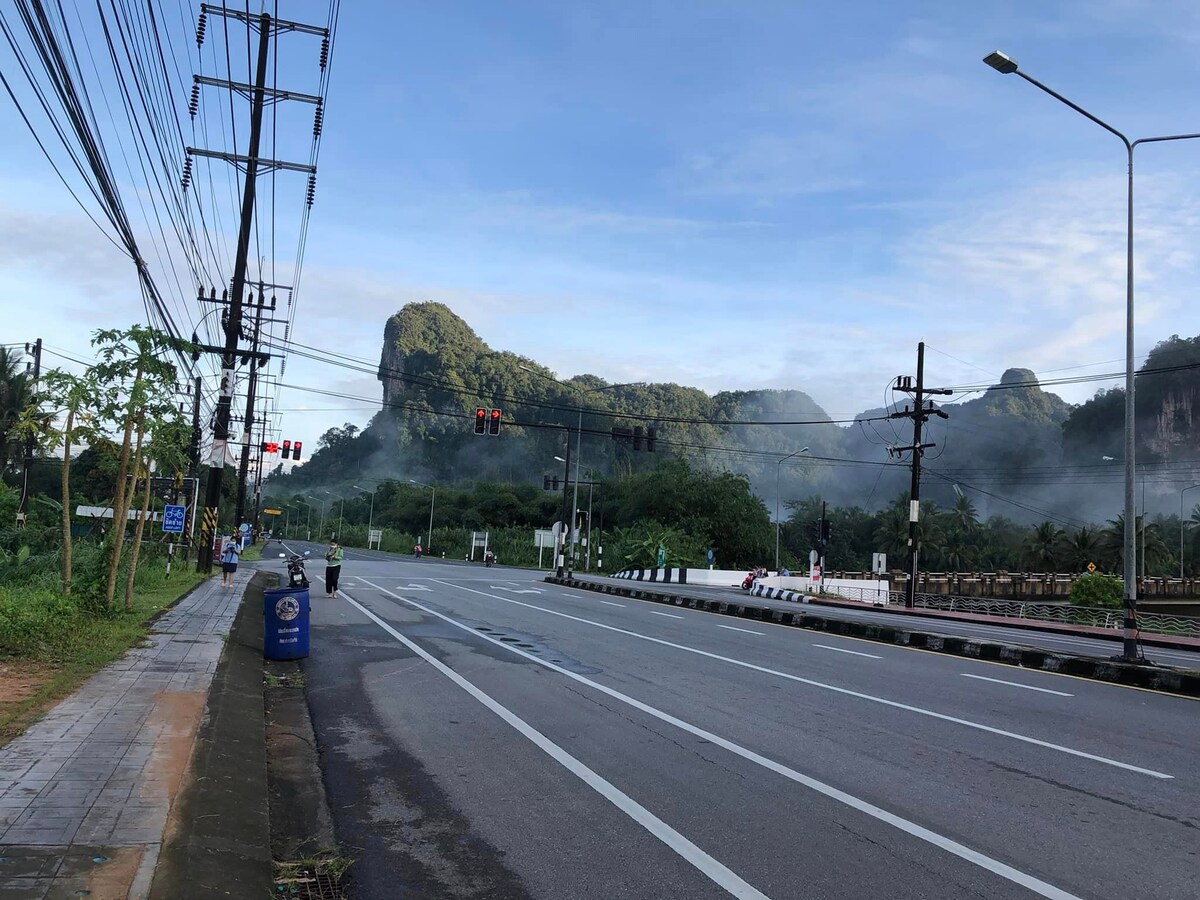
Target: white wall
column 850, row 588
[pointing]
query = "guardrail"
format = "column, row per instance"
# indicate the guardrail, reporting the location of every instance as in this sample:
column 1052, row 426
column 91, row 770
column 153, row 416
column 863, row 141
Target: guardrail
column 1095, row 617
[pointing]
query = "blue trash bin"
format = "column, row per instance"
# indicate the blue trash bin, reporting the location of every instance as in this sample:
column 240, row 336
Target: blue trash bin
column 285, row 623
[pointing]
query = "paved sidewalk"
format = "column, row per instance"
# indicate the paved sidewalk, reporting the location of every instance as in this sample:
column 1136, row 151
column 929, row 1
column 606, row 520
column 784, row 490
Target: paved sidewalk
column 86, row 791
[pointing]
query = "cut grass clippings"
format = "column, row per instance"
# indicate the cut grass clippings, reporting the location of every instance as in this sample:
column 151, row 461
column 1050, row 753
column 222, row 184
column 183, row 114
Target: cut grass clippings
column 48, row 671
column 315, row 878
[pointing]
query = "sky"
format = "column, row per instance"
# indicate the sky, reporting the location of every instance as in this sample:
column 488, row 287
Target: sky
column 730, row 195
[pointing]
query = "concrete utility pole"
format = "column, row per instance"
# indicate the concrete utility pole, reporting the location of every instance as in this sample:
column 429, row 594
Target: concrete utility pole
column 248, row 424
column 919, row 414
column 233, row 324
column 567, row 525
column 27, row 462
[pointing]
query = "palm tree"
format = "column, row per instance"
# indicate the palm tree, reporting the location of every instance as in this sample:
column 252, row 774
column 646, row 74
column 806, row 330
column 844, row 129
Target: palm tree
column 1083, row 547
column 1044, row 547
column 963, row 515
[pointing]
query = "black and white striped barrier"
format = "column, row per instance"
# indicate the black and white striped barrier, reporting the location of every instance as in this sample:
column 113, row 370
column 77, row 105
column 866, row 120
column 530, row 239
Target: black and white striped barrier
column 668, row 575
column 761, row 590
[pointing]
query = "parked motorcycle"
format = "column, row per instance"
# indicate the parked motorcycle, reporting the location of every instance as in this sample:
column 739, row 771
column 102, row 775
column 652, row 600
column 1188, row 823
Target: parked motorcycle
column 297, row 577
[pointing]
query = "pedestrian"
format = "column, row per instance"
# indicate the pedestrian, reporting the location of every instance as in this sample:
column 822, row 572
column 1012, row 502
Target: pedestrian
column 333, row 567
column 417, row 550
column 230, row 553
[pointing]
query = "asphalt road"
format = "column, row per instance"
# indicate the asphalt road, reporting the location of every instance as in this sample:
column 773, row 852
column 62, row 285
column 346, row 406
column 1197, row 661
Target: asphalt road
column 486, row 735
column 1043, row 640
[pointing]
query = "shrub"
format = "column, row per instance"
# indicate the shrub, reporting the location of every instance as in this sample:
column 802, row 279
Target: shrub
column 1098, row 590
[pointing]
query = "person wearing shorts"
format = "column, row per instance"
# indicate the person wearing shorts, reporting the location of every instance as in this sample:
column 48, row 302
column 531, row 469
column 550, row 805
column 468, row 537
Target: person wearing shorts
column 230, row 553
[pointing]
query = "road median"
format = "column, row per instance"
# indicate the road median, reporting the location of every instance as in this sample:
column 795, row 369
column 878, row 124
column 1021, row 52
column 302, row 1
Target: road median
column 1185, row 682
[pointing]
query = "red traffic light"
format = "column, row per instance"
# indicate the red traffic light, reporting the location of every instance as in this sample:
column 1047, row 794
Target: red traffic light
column 480, row 420
column 270, row 447
column 494, row 422
column 287, row 450
column 296, row 450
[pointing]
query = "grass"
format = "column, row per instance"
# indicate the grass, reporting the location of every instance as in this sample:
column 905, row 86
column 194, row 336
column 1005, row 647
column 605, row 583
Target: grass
column 315, row 876
column 253, row 553
column 47, row 638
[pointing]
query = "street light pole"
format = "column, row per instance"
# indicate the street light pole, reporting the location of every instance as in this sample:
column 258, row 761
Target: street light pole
column 370, row 512
column 432, row 500
column 778, row 466
column 1005, row 65
column 1181, row 525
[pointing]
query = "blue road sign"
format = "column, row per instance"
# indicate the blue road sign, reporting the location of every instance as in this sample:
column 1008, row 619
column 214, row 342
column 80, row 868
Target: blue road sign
column 172, row 520
column 710, row 556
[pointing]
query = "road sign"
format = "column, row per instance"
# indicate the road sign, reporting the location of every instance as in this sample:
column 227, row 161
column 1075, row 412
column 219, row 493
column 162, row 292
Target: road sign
column 662, row 556
column 879, row 563
column 173, row 518
column 813, row 556
column 1091, row 566
column 543, row 537
column 272, row 512
column 711, row 557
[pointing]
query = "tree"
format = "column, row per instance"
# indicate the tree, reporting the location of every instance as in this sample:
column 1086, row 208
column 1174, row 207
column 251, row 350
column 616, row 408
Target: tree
column 963, row 514
column 168, row 437
column 1081, row 547
column 1044, row 547
column 1097, row 590
column 141, row 387
column 15, row 395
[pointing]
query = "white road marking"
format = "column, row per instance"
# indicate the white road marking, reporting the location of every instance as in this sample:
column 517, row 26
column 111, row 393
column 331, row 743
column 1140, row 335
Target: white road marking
column 610, row 603
column 1028, row 687
column 735, row 628
column 851, row 652
column 1016, row 876
column 497, row 587
column 839, row 690
column 717, row 872
column 668, row 615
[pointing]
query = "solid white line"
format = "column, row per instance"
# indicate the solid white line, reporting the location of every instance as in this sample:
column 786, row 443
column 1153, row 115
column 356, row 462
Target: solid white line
column 1016, row 876
column 610, row 603
column 830, row 687
column 720, row 874
column 668, row 615
column 735, row 628
column 1028, row 687
column 851, row 652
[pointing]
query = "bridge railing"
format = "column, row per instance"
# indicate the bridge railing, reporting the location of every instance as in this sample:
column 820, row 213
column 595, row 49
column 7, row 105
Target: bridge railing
column 1089, row 616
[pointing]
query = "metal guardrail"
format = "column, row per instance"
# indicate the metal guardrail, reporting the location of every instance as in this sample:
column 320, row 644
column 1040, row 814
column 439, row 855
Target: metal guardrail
column 1093, row 617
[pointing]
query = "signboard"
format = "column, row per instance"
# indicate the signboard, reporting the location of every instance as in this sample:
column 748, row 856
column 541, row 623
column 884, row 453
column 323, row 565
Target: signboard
column 543, row 537
column 879, row 563
column 173, row 518
column 815, row 575
column 662, row 556
column 1091, row 567
column 711, row 557
column 272, row 512
column 375, row 536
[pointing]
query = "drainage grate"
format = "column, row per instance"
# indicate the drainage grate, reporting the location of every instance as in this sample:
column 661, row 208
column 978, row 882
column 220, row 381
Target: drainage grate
column 311, row 879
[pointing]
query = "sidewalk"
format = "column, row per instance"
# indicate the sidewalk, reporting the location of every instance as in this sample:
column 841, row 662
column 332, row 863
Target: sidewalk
column 85, row 793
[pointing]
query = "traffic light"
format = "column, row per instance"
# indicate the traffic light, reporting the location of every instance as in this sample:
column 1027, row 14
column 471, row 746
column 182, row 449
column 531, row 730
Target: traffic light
column 550, row 484
column 637, row 437
column 287, row 450
column 270, row 447
column 480, row 420
column 296, row 450
column 494, row 422
column 826, row 530
column 651, row 438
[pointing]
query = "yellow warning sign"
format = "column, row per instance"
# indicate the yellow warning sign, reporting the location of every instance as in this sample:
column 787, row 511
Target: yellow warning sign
column 272, row 512
column 1091, row 567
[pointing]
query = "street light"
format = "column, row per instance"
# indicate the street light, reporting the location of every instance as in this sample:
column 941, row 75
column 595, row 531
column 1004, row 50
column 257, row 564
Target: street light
column 432, row 499
column 1006, row 65
column 778, row 467
column 1181, row 493
column 578, row 445
column 321, row 520
column 371, row 514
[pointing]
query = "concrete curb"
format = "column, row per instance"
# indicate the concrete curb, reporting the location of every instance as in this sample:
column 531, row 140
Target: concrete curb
column 1159, row 678
column 218, row 842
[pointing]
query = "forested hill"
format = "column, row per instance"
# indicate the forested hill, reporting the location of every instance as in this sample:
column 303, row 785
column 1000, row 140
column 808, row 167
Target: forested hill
column 435, row 370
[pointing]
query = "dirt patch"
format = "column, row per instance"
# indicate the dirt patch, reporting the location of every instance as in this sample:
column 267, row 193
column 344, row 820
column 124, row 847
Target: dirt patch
column 178, row 713
column 21, row 682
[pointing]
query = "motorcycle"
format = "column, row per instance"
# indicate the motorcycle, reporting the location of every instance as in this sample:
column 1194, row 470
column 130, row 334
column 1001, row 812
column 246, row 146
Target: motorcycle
column 488, row 559
column 297, row 577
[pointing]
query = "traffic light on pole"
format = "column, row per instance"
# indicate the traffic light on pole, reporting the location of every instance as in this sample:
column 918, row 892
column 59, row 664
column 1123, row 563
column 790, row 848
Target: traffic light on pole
column 480, row 420
column 637, row 437
column 270, row 447
column 287, row 450
column 296, row 450
column 494, row 422
column 651, row 438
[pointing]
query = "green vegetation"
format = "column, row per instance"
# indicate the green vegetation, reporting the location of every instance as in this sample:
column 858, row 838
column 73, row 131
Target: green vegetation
column 1097, row 590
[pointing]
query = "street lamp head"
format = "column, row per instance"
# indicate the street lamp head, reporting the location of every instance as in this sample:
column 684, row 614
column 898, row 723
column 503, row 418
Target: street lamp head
column 560, row 459
column 1003, row 64
column 804, row 450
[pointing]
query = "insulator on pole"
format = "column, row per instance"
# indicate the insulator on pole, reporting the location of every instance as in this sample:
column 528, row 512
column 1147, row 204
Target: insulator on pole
column 200, row 26
column 324, row 52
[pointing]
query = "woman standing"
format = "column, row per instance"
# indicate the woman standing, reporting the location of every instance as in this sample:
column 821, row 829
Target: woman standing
column 231, row 551
column 333, row 567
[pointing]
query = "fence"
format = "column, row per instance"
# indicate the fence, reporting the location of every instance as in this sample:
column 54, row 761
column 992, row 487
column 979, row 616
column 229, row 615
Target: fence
column 1096, row 617
column 1024, row 585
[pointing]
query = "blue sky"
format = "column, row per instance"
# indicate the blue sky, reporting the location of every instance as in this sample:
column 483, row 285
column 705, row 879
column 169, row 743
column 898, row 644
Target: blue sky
column 725, row 194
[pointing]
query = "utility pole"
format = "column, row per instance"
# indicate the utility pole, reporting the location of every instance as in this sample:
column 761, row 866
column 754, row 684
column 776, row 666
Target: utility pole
column 251, row 165
column 919, row 414
column 248, row 424
column 566, row 529
column 27, row 462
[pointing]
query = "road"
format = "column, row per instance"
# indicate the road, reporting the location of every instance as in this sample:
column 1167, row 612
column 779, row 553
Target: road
column 486, row 735
column 1056, row 642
